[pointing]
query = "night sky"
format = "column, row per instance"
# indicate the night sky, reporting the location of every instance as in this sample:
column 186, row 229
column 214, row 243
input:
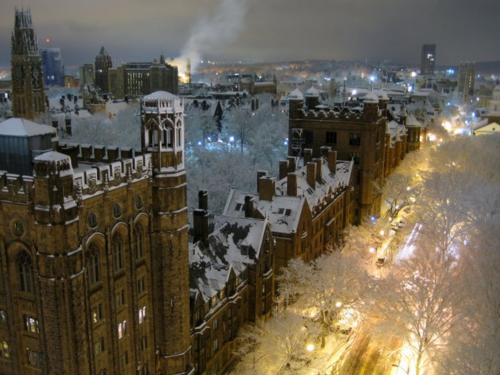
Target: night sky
column 261, row 30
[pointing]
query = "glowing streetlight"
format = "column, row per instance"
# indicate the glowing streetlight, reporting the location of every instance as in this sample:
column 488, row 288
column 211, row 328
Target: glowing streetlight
column 310, row 347
column 338, row 304
column 372, row 250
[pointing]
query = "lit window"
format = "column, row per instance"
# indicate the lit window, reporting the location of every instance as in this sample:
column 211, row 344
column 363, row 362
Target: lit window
column 121, row 329
column 30, row 324
column 4, row 350
column 99, row 346
column 3, row 317
column 142, row 314
column 97, row 314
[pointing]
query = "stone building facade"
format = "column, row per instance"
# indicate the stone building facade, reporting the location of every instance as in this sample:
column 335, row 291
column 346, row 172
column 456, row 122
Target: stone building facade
column 232, row 283
column 357, row 135
column 308, row 207
column 94, row 270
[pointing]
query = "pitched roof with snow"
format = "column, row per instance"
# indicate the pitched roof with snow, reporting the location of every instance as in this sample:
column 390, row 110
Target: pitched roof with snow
column 312, row 91
column 329, row 184
column 232, row 247
column 18, row 127
column 284, row 211
column 371, row 97
column 296, row 95
column 160, row 95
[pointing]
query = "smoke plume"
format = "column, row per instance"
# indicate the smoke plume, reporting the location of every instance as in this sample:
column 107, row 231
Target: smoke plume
column 213, row 32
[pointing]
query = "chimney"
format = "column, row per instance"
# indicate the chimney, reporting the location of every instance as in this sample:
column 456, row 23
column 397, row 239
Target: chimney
column 283, row 169
column 291, row 186
column 332, row 161
column 291, row 164
column 267, row 188
column 72, row 152
column 307, row 155
column 67, row 121
column 249, row 206
column 203, row 200
column 319, row 169
column 259, row 175
column 200, row 223
column 311, row 174
column 324, row 150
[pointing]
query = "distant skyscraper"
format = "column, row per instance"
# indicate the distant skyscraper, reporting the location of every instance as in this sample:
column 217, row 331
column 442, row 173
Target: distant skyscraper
column 53, row 67
column 428, row 59
column 28, row 98
column 86, row 74
column 102, row 64
column 466, row 75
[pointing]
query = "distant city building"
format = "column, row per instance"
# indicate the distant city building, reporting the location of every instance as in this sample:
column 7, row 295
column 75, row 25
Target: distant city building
column 103, row 63
column 71, row 82
column 428, row 59
column 53, row 67
column 466, row 80
column 86, row 74
column 135, row 79
column 28, row 97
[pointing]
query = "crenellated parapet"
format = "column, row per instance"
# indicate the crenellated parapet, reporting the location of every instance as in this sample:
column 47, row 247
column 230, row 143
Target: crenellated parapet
column 15, row 188
column 327, row 114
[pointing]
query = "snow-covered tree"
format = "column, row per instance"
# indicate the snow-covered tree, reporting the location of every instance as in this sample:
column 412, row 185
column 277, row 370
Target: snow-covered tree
column 199, row 126
column 217, row 171
column 278, row 346
column 239, row 124
column 415, row 305
column 475, row 338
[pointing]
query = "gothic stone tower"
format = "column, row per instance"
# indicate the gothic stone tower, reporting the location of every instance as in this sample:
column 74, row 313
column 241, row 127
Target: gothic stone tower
column 162, row 136
column 102, row 64
column 28, row 99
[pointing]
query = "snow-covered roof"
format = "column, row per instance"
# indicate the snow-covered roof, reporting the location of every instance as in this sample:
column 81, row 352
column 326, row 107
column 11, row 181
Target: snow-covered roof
column 296, row 95
column 160, row 95
column 19, row 127
column 382, row 95
column 312, row 91
column 283, row 211
column 53, row 156
column 371, row 97
column 232, row 247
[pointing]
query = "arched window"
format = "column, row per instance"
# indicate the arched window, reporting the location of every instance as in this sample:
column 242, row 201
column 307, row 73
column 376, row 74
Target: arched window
column 154, row 138
column 139, row 242
column 93, row 264
column 168, row 132
column 24, row 264
column 179, row 138
column 117, row 252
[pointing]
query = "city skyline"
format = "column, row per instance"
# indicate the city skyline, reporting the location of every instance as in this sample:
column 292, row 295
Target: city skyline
column 255, row 30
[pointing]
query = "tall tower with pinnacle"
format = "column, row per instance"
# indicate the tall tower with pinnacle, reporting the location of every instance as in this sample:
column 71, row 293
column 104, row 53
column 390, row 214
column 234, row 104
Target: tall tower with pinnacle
column 162, row 136
column 28, row 98
column 103, row 63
